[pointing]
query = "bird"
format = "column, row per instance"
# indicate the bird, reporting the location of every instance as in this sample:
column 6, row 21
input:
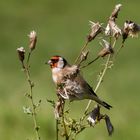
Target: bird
column 70, row 83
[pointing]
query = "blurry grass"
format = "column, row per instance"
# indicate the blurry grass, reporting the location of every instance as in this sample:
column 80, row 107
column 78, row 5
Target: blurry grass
column 62, row 27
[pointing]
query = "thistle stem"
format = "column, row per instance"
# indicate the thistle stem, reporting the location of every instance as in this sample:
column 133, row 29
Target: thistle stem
column 91, row 62
column 101, row 77
column 64, row 125
column 29, row 55
column 118, row 51
column 83, row 48
column 57, row 129
column 27, row 73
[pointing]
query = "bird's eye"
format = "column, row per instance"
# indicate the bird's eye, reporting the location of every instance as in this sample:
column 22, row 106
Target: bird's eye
column 54, row 60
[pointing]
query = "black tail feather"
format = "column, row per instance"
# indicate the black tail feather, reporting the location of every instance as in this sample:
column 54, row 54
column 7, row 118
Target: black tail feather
column 106, row 105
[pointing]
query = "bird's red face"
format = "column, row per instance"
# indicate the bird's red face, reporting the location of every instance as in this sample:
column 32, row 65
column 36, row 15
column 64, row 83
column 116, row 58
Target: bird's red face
column 53, row 61
column 57, row 62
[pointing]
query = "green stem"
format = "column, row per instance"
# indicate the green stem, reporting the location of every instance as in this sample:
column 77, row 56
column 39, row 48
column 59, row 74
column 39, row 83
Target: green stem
column 101, row 77
column 64, row 125
column 85, row 45
column 26, row 68
column 118, row 51
column 90, row 62
column 28, row 58
column 57, row 129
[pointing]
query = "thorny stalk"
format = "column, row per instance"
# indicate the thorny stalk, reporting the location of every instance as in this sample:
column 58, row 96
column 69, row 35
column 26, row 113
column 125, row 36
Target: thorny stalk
column 63, row 122
column 26, row 67
column 60, row 110
column 31, row 97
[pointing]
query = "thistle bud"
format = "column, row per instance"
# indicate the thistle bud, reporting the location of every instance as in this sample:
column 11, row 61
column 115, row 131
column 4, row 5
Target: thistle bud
column 109, row 125
column 21, row 53
column 33, row 40
column 125, row 31
column 113, row 29
column 115, row 12
column 84, row 55
column 95, row 30
column 130, row 29
column 134, row 29
column 106, row 50
column 94, row 116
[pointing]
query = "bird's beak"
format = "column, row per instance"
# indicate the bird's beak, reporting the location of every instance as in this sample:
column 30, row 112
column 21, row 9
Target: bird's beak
column 48, row 62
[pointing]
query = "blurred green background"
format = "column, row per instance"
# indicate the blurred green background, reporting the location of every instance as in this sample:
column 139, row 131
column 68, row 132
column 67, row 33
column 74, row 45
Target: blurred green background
column 62, row 26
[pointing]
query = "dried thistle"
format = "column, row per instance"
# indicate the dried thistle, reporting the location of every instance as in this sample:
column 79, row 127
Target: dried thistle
column 112, row 29
column 33, row 40
column 109, row 125
column 106, row 50
column 94, row 116
column 134, row 29
column 21, row 53
column 115, row 12
column 130, row 29
column 96, row 28
column 84, row 55
column 125, row 32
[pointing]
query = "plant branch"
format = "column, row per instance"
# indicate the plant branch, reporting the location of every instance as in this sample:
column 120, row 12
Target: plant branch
column 57, row 130
column 29, row 55
column 90, row 62
column 101, row 77
column 64, row 125
column 119, row 49
column 83, row 48
column 26, row 70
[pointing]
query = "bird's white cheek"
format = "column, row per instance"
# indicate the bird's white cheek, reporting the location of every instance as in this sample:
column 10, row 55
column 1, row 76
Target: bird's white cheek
column 55, row 79
column 55, row 74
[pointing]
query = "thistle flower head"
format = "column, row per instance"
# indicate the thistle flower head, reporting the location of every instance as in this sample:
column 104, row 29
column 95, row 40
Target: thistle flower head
column 21, row 53
column 96, row 28
column 109, row 125
column 83, row 56
column 94, row 116
column 32, row 40
column 118, row 6
column 133, row 28
column 126, row 30
column 130, row 29
column 107, row 49
column 113, row 29
column 106, row 44
column 115, row 12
